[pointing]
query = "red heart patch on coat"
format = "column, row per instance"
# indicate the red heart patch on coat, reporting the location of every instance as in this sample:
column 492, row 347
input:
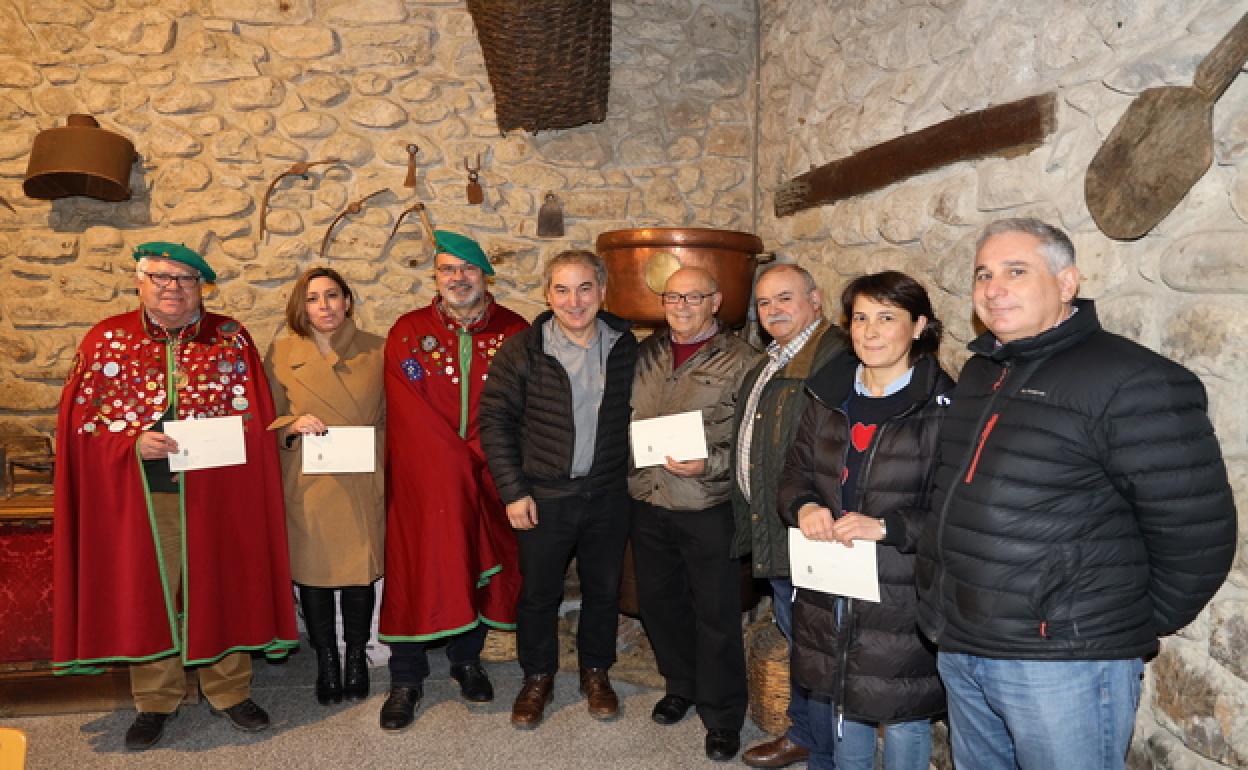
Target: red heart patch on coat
column 861, row 436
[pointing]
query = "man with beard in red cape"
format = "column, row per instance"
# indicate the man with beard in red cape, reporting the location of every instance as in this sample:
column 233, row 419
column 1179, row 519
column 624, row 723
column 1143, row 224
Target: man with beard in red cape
column 451, row 567
column 157, row 569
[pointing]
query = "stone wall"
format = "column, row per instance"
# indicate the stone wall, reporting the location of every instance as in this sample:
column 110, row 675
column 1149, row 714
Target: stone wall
column 219, row 96
column 838, row 77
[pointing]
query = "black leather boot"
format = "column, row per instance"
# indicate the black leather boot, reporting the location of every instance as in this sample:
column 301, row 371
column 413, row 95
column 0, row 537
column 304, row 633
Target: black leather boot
column 357, row 621
column 318, row 616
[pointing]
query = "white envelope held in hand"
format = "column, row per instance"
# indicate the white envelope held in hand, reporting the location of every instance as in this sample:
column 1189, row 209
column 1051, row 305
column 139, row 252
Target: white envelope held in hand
column 213, row 442
column 343, row 449
column 832, row 568
column 678, row 436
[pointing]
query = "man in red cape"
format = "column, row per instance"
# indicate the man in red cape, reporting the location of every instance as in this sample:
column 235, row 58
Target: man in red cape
column 156, row 569
column 451, row 565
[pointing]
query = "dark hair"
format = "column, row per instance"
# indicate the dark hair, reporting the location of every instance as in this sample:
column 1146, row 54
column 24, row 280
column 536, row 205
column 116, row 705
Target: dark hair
column 297, row 304
column 895, row 288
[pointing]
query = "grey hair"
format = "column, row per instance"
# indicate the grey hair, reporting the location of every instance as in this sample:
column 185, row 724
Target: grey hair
column 1055, row 245
column 807, row 278
column 574, row 257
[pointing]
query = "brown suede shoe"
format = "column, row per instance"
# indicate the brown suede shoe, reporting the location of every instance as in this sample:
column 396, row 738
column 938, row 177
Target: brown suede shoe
column 596, row 687
column 781, row 752
column 530, row 705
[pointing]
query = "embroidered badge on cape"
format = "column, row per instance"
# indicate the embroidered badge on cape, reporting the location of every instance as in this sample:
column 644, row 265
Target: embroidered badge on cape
column 411, row 367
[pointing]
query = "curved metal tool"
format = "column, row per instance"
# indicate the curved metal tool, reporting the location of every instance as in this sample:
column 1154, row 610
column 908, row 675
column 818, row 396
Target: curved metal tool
column 299, row 169
column 424, row 219
column 353, row 207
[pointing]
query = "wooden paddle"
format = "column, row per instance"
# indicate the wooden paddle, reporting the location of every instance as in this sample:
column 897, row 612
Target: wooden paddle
column 1162, row 145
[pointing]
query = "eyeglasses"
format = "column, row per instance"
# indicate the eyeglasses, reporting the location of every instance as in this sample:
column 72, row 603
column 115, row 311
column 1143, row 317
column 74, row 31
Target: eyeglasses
column 449, row 270
column 163, row 280
column 693, row 298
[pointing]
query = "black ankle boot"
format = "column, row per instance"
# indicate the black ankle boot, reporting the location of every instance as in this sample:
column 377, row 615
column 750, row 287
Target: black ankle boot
column 355, row 675
column 328, row 676
column 357, row 620
column 318, row 615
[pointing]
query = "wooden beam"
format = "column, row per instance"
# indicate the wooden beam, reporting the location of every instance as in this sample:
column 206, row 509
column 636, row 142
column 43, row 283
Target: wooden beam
column 1006, row 130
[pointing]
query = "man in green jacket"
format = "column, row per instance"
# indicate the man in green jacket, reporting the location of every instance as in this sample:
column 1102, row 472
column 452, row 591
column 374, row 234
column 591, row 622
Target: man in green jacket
column 773, row 396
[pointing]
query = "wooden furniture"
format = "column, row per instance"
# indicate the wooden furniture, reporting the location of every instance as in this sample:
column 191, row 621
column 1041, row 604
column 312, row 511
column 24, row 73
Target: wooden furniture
column 28, row 686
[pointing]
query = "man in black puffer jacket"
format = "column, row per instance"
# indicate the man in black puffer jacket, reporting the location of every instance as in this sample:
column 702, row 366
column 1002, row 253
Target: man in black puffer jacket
column 1081, row 510
column 554, row 428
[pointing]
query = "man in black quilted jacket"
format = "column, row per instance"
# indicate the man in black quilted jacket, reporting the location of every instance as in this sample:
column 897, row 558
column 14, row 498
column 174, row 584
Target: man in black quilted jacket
column 554, row 427
column 1081, row 511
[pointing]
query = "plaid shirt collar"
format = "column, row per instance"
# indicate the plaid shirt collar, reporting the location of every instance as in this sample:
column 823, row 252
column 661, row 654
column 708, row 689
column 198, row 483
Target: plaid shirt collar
column 782, row 355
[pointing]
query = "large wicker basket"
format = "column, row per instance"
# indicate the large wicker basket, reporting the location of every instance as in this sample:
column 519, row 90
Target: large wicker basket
column 549, row 61
column 500, row 646
column 767, row 669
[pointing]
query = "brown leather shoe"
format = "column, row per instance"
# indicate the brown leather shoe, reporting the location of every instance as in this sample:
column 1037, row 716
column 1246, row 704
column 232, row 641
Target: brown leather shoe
column 530, row 705
column 781, row 752
column 596, row 687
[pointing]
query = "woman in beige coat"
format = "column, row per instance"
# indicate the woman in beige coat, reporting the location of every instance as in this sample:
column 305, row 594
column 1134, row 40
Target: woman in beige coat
column 326, row 372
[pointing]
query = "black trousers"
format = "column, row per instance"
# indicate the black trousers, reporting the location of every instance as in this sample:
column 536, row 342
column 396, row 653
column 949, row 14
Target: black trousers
column 409, row 661
column 689, row 590
column 594, row 528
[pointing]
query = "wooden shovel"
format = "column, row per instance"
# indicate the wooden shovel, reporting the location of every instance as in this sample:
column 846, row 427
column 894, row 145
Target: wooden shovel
column 1162, row 145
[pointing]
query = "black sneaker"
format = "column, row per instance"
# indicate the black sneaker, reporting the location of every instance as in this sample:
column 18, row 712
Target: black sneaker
column 474, row 685
column 146, row 730
column 246, row 716
column 400, row 707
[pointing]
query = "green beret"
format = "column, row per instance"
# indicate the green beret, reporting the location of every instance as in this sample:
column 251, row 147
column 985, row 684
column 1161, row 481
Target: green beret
column 463, row 247
column 178, row 253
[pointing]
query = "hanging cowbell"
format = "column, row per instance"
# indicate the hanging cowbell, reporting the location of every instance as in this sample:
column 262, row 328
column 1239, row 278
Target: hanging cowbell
column 79, row 158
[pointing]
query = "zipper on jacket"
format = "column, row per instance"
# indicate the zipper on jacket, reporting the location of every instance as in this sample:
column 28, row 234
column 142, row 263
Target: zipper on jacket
column 983, row 438
column 844, row 683
column 949, row 494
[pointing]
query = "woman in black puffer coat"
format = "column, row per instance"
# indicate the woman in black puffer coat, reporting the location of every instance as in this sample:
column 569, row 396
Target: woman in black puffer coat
column 859, row 469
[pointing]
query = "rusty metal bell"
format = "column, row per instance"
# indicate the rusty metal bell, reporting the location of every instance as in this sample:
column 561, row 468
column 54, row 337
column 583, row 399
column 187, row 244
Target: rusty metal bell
column 79, row 158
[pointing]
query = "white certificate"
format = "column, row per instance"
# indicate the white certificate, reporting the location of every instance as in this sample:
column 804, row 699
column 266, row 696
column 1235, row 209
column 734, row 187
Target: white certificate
column 678, row 436
column 343, row 449
column 832, row 568
column 212, row 442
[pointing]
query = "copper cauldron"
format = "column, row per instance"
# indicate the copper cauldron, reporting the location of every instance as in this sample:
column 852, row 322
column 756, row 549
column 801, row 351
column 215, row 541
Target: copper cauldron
column 640, row 260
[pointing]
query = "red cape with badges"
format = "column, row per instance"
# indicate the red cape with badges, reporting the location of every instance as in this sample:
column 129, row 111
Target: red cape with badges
column 110, row 603
column 450, row 551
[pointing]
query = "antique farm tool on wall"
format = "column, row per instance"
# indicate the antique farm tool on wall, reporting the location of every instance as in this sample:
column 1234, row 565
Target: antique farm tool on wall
column 410, row 179
column 475, row 194
column 1007, row 130
column 353, row 207
column 80, row 158
column 1162, row 145
column 424, row 220
column 550, row 217
column 299, row 169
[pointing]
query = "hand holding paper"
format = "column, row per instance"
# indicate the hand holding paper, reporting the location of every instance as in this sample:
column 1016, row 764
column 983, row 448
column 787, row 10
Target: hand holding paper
column 678, row 436
column 834, row 569
column 343, row 449
column 213, row 442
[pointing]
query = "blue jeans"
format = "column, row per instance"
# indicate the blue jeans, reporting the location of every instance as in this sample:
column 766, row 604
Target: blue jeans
column 782, row 608
column 1039, row 714
column 907, row 745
